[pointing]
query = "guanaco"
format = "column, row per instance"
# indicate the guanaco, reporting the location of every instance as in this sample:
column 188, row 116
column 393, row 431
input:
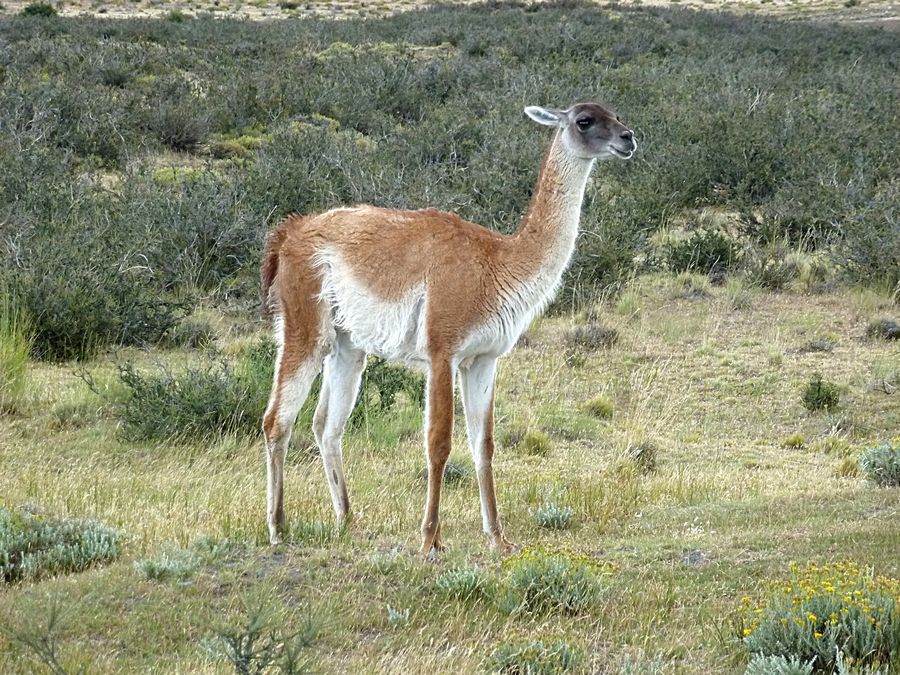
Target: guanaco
column 426, row 289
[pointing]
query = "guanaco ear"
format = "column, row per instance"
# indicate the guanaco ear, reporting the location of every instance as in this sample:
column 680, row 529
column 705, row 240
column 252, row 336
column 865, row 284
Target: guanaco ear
column 546, row 116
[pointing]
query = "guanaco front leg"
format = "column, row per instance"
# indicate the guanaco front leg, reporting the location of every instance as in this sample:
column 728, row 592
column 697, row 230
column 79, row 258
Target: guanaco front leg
column 439, row 431
column 477, row 384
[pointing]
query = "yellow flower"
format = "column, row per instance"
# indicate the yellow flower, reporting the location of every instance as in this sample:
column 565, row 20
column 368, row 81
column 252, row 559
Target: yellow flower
column 817, row 635
column 747, row 631
column 811, row 616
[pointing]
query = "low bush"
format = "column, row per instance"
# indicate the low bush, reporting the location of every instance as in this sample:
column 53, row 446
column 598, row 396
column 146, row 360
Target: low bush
column 777, row 665
column 881, row 464
column 545, row 580
column 848, row 467
column 77, row 308
column 795, row 441
column 825, row 343
column 705, row 250
column 259, row 643
column 465, row 584
column 190, row 332
column 535, row 657
column 819, row 394
column 600, row 407
column 33, row 546
column 552, row 516
column 885, row 329
column 39, row 9
column 199, row 402
column 821, row 614
column 177, row 563
column 643, row 454
column 167, row 565
column 591, row 337
column 455, row 473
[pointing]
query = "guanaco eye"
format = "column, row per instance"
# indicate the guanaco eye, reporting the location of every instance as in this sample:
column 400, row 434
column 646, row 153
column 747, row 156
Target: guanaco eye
column 584, row 122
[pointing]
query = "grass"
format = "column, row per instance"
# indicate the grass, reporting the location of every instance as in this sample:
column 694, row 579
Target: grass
column 15, row 346
column 712, row 399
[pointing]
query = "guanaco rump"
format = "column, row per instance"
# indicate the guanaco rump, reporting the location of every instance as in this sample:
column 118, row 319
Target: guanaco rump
column 426, row 289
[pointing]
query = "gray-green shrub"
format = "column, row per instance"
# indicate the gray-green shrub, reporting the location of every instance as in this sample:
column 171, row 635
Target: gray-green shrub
column 881, row 464
column 34, row 546
column 544, row 580
column 535, row 657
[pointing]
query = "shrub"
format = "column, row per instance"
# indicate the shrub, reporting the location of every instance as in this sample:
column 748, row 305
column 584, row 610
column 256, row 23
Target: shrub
column 777, row 665
column 535, row 657
column 177, row 16
column 259, row 645
column 823, row 613
column 466, row 584
column 820, row 344
column 199, row 402
column 795, row 441
column 886, row 329
column 552, row 516
column 190, row 332
column 546, row 580
column 34, row 546
column 643, row 455
column 819, row 394
column 706, row 251
column 600, row 407
column 15, row 345
column 881, row 464
column 591, row 337
column 180, row 565
column 39, row 9
column 177, row 563
column 179, row 126
column 385, row 381
column 455, row 473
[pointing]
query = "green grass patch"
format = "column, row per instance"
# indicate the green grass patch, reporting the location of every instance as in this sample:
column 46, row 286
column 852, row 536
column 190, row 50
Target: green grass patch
column 15, row 346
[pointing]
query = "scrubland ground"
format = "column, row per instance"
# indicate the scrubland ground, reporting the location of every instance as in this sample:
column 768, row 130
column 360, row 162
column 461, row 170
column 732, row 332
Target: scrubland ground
column 655, row 454
column 883, row 12
column 717, row 390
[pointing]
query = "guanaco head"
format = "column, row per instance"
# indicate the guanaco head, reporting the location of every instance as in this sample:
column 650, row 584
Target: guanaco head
column 588, row 130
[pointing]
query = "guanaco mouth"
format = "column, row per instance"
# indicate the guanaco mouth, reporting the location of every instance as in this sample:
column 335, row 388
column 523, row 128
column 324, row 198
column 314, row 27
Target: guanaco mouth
column 622, row 153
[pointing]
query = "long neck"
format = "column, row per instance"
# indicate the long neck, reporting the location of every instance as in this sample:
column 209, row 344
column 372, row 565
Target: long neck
column 545, row 240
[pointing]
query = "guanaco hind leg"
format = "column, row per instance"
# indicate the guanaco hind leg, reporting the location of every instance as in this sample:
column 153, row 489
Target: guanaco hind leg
column 293, row 380
column 477, row 385
column 340, row 383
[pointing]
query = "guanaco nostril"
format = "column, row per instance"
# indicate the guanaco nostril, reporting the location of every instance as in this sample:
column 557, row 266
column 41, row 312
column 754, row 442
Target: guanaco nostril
column 628, row 134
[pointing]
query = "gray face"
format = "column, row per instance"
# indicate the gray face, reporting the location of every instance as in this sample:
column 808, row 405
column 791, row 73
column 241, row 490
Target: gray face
column 591, row 131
